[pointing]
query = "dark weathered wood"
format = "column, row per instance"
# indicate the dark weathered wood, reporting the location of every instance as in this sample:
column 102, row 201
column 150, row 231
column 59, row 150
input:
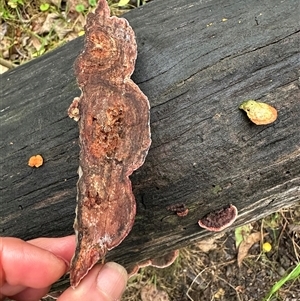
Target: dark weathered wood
column 196, row 68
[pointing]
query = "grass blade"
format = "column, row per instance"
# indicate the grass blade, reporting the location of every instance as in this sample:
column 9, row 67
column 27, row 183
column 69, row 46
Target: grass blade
column 292, row 275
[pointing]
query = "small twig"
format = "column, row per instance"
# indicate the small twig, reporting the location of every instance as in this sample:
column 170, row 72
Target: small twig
column 281, row 232
column 238, row 296
column 7, row 64
column 225, row 263
column 20, row 53
column 190, row 287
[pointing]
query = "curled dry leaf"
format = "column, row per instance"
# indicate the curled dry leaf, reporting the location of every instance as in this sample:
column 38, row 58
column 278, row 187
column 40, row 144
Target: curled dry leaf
column 258, row 112
column 54, row 22
column 246, row 245
column 36, row 43
column 36, row 161
column 114, row 137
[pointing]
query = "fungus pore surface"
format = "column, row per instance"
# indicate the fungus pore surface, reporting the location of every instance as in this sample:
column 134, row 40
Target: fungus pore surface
column 220, row 219
column 114, row 138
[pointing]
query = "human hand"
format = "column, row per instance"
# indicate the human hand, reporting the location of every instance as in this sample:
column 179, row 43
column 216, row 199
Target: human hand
column 27, row 270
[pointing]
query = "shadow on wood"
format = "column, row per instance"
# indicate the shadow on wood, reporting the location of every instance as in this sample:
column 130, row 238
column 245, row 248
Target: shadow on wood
column 197, row 62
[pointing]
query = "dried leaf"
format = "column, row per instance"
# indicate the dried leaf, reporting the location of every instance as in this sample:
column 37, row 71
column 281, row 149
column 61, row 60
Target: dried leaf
column 4, row 47
column 61, row 29
column 37, row 22
column 49, row 23
column 294, row 228
column 150, row 293
column 57, row 3
column 246, row 245
column 36, row 43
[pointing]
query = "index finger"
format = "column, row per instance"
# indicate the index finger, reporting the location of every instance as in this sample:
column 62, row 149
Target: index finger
column 63, row 247
column 25, row 264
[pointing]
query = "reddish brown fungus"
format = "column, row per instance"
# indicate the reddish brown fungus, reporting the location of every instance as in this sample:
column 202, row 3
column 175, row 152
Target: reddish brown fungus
column 179, row 209
column 162, row 261
column 165, row 260
column 114, row 136
column 219, row 220
column 132, row 270
column 183, row 213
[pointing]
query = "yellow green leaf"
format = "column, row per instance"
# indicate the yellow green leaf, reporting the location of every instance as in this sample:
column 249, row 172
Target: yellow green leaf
column 123, row 2
column 241, row 233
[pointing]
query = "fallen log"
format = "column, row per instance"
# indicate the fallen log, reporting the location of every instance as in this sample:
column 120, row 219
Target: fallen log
column 197, row 61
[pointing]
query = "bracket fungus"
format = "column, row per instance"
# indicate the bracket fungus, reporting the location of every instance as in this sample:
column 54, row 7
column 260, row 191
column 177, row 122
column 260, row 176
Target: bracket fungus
column 259, row 113
column 220, row 219
column 165, row 260
column 114, row 137
column 180, row 209
column 160, row 262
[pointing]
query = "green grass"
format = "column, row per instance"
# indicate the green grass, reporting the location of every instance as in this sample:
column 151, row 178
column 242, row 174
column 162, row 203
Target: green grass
column 294, row 274
column 30, row 28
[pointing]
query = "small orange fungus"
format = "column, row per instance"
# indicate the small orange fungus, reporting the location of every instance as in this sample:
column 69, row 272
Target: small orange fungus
column 258, row 112
column 36, row 161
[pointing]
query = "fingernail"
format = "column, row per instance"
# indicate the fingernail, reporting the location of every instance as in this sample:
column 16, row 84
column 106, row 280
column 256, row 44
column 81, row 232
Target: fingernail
column 112, row 280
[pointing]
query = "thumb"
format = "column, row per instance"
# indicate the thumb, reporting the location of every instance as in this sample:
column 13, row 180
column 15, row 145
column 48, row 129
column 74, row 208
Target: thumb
column 103, row 283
